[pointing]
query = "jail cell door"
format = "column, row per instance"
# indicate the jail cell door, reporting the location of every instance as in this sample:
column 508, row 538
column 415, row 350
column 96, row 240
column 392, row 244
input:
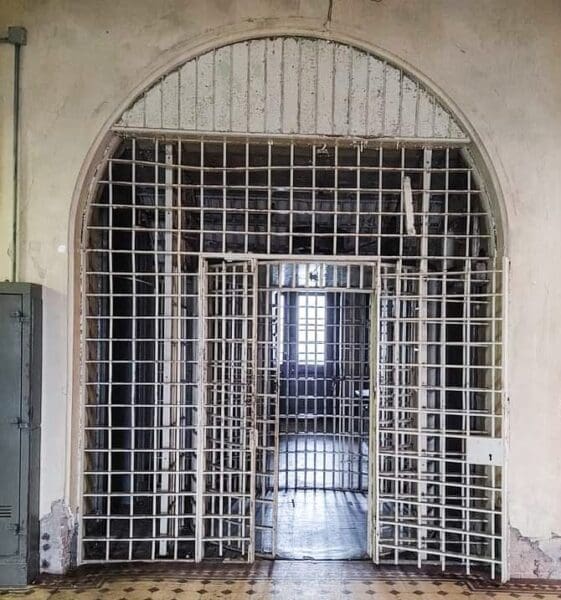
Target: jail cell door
column 439, row 418
column 267, row 418
column 352, row 388
column 228, row 419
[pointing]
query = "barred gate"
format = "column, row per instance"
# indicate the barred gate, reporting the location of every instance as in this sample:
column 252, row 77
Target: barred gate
column 439, row 448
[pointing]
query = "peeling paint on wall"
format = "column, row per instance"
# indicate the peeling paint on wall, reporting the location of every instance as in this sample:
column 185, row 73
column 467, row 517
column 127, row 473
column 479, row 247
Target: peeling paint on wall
column 58, row 539
column 533, row 557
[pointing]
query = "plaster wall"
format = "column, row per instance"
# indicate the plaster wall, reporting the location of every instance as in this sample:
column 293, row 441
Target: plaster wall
column 497, row 61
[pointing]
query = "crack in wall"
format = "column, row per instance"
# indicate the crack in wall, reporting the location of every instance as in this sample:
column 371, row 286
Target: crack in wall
column 327, row 21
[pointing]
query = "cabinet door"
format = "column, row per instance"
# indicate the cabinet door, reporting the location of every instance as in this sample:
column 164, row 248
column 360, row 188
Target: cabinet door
column 11, row 422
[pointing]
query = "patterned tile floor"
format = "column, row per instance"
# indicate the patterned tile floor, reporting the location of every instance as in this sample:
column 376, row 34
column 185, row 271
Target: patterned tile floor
column 283, row 580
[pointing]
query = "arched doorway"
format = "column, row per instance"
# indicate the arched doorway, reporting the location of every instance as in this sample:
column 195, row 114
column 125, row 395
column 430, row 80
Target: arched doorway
column 290, row 285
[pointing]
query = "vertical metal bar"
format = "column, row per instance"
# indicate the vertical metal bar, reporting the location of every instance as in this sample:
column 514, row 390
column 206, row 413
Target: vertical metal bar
column 201, row 411
column 221, row 372
column 252, row 315
column 179, row 418
column 291, row 201
column 442, row 417
column 155, row 476
column 396, row 404
column 276, row 451
column 269, row 195
column 246, row 190
column 443, row 360
column 335, row 196
column 110, row 365
column 202, row 196
column 224, row 194
column 133, row 354
column 167, row 325
column 422, row 357
column 374, row 435
column 493, row 410
column 466, row 384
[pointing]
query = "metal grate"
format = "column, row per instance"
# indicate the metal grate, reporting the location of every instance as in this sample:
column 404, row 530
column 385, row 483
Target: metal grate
column 227, row 364
column 164, row 475
column 278, row 198
column 440, row 404
column 324, row 390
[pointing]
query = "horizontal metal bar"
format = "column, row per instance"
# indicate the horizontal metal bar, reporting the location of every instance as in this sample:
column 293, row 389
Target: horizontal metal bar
column 474, row 558
column 197, row 136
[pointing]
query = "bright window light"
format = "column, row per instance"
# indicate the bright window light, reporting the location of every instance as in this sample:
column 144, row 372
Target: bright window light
column 311, row 329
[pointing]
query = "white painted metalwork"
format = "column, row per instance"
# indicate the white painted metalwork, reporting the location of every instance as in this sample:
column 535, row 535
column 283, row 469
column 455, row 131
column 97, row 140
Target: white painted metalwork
column 187, row 247
column 228, row 386
column 292, row 85
column 267, row 416
column 439, row 394
column 324, row 394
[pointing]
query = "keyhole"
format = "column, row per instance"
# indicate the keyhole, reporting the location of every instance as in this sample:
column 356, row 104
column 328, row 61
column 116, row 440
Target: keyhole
column 490, row 457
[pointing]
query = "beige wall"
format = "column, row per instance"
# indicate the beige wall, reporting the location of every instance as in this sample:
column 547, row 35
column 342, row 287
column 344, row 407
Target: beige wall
column 498, row 61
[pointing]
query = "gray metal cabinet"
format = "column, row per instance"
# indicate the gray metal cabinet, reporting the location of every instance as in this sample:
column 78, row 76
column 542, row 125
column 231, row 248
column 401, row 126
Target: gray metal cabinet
column 20, row 421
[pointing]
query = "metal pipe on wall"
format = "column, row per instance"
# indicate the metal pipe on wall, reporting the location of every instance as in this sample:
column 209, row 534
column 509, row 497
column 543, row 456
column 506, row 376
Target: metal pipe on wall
column 17, row 36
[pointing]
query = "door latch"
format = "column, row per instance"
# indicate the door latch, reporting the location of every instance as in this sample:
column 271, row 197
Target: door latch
column 20, row 423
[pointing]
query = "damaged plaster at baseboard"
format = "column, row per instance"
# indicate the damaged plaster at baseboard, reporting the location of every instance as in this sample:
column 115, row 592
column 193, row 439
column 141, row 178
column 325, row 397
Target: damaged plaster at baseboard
column 58, row 539
column 534, row 558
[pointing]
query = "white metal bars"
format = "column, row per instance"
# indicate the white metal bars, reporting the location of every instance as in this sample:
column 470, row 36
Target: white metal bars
column 228, row 301
column 352, row 388
column 322, row 405
column 330, row 198
column 160, row 207
column 267, row 416
column 440, row 482
column 139, row 330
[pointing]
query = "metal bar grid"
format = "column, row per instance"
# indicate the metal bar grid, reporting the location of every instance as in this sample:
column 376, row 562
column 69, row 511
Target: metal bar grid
column 228, row 398
column 330, row 198
column 323, row 371
column 160, row 212
column 139, row 460
column 267, row 415
column 439, row 386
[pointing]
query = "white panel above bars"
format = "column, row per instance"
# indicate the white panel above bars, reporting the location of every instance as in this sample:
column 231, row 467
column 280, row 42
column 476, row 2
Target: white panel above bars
column 296, row 86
